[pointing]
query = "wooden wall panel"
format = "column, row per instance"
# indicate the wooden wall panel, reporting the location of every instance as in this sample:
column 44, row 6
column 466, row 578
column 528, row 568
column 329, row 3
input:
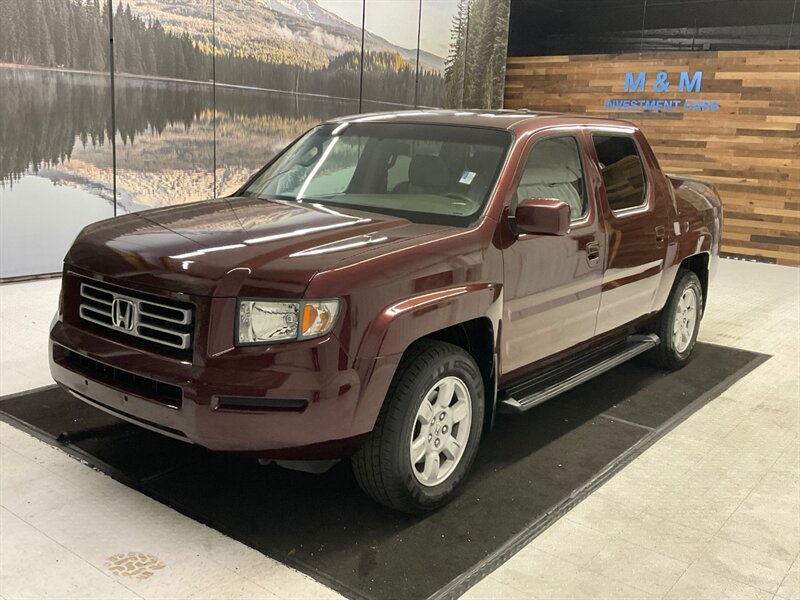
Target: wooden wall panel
column 749, row 148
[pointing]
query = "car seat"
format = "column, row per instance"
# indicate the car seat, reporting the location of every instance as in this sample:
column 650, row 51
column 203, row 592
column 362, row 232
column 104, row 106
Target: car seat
column 427, row 174
column 553, row 171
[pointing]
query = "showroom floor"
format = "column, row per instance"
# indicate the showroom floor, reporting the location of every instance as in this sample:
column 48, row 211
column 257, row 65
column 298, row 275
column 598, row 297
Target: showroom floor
column 712, row 510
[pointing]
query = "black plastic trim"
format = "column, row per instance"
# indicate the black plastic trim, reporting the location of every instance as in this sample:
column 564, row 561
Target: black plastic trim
column 250, row 403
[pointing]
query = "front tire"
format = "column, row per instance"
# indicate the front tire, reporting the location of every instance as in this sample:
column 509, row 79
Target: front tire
column 427, row 433
column 679, row 322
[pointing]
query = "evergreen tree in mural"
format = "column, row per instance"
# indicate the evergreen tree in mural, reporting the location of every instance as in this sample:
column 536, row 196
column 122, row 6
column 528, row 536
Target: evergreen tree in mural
column 475, row 65
column 455, row 61
column 55, row 33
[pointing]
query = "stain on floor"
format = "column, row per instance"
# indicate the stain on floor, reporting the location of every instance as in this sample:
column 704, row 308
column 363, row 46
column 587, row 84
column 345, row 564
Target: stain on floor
column 139, row 565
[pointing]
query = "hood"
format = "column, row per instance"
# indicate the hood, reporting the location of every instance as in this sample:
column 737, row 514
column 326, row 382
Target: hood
column 233, row 246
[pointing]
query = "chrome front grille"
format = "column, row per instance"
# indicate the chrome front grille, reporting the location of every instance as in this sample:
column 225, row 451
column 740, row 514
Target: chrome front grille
column 146, row 319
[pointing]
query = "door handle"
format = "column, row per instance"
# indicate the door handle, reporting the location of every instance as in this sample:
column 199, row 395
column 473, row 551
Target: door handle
column 593, row 254
column 661, row 234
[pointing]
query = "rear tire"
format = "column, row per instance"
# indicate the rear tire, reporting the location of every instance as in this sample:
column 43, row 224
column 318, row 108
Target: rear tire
column 678, row 323
column 427, row 433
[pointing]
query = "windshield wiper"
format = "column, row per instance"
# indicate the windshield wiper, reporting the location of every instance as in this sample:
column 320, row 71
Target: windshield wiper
column 276, row 197
column 324, row 196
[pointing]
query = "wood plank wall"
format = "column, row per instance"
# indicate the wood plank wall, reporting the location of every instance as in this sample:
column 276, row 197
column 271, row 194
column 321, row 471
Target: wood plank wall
column 750, row 148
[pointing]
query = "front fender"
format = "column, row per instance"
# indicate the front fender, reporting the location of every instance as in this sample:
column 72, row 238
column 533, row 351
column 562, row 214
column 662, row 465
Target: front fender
column 400, row 324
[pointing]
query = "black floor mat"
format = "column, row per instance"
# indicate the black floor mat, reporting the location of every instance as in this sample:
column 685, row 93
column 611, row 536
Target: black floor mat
column 529, row 470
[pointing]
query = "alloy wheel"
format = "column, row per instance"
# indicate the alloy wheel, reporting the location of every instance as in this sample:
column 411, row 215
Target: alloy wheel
column 685, row 320
column 441, row 431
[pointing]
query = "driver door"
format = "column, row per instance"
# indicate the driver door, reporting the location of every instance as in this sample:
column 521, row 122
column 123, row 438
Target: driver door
column 553, row 283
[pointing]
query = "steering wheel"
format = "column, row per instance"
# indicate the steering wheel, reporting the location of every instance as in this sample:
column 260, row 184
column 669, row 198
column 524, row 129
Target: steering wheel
column 458, row 196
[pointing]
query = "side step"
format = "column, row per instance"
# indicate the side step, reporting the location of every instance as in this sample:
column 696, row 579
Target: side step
column 572, row 373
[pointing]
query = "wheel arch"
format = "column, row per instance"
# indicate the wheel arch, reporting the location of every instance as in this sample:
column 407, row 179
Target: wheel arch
column 467, row 316
column 477, row 338
column 699, row 265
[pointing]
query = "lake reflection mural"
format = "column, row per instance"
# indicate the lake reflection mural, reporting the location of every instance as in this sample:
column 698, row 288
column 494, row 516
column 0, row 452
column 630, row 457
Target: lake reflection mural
column 206, row 92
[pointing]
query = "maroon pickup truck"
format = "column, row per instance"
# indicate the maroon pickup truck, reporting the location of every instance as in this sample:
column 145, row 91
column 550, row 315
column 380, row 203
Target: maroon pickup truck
column 384, row 286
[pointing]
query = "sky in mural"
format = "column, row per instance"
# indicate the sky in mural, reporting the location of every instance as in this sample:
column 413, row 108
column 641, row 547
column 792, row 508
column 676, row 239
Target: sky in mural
column 400, row 27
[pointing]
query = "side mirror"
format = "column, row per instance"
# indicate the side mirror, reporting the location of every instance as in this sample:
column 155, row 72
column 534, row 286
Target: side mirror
column 543, row 216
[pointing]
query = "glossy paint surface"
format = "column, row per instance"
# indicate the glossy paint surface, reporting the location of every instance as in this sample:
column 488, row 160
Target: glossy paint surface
column 637, row 245
column 552, row 289
column 542, row 297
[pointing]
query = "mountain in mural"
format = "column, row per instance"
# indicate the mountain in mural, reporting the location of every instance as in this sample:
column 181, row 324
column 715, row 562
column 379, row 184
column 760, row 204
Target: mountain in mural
column 304, row 9
column 281, row 31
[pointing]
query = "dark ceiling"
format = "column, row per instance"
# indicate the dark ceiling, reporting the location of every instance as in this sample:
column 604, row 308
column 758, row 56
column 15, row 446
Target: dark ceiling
column 548, row 27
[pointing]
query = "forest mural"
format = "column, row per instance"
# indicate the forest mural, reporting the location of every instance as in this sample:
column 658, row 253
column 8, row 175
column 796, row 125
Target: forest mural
column 73, row 36
column 204, row 92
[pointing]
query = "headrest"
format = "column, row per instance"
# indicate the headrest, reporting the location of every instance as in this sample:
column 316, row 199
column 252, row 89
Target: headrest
column 548, row 176
column 428, row 172
column 552, row 162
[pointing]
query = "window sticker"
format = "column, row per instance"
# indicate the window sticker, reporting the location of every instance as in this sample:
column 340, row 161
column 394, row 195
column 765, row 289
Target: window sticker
column 467, row 177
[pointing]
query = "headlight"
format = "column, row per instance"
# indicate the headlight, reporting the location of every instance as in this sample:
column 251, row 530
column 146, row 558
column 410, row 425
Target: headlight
column 262, row 321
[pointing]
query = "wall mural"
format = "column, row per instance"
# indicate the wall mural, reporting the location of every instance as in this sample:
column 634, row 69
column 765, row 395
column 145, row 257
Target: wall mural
column 205, row 92
column 56, row 169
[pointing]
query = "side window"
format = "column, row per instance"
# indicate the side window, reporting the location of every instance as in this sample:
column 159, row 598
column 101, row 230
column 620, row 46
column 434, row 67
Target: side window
column 553, row 170
column 623, row 174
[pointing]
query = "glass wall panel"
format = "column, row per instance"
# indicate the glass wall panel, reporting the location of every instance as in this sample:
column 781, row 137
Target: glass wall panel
column 55, row 155
column 476, row 34
column 280, row 70
column 164, row 102
column 204, row 93
column 487, row 45
column 390, row 54
column 441, row 72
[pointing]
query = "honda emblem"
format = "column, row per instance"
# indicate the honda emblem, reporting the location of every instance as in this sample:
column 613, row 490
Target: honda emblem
column 123, row 313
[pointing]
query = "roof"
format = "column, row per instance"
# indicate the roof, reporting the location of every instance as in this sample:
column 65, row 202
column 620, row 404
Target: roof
column 495, row 119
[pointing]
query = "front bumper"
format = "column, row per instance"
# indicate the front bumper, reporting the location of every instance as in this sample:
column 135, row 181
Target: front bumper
column 333, row 399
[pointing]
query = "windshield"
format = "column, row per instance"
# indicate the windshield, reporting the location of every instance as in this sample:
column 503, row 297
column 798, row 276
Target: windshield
column 426, row 173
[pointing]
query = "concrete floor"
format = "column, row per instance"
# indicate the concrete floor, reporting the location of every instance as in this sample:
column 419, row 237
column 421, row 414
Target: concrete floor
column 712, row 510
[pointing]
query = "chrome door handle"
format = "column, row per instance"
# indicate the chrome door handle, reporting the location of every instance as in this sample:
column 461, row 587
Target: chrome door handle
column 593, row 254
column 661, row 234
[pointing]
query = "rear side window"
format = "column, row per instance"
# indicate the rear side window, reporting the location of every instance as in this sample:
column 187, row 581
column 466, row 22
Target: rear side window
column 623, row 174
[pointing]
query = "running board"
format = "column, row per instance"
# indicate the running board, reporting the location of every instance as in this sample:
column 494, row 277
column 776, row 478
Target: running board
column 572, row 373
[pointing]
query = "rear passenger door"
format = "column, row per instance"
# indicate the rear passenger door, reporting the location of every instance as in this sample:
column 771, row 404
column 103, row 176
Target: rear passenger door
column 635, row 229
column 552, row 283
